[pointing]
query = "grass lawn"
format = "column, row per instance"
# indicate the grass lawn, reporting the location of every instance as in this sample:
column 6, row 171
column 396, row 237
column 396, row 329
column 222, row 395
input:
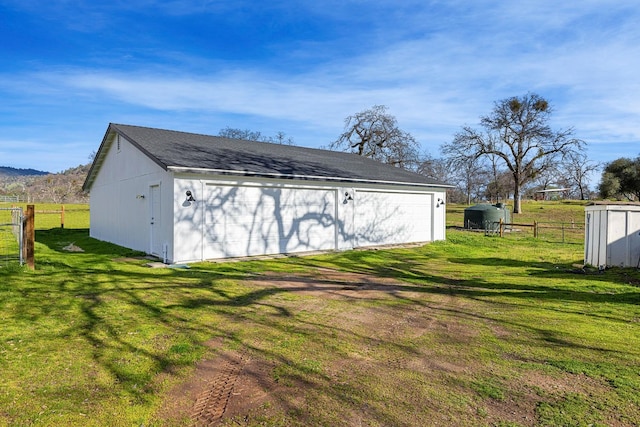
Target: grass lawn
column 473, row 330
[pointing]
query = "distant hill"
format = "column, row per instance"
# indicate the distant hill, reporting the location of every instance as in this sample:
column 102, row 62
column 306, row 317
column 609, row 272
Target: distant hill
column 9, row 171
column 37, row 186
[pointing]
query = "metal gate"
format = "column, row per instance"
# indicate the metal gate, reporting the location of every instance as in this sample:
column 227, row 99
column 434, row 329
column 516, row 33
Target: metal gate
column 11, row 233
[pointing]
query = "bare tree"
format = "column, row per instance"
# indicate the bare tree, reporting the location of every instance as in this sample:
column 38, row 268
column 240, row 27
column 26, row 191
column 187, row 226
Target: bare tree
column 577, row 171
column 245, row 134
column 282, row 138
column 249, row 135
column 435, row 168
column 374, row 133
column 470, row 174
column 518, row 133
column 499, row 186
column 552, row 178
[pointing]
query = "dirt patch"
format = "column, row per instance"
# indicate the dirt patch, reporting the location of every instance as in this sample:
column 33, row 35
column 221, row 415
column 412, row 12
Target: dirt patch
column 223, row 386
column 561, row 383
column 334, row 284
column 239, row 386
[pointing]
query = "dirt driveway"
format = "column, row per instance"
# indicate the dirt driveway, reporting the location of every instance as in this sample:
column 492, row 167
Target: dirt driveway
column 238, row 386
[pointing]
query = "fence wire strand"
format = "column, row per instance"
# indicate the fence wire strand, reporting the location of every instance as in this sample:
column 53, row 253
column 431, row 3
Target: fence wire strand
column 10, row 236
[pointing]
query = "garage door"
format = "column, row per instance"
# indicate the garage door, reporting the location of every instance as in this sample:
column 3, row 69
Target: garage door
column 383, row 218
column 255, row 220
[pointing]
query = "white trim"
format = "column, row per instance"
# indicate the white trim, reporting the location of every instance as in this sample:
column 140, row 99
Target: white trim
column 203, row 212
column 154, row 230
column 294, row 176
column 267, row 185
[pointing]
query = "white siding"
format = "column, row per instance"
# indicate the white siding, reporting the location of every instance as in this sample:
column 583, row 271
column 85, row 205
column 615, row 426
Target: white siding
column 232, row 218
column 242, row 217
column 187, row 220
column 593, row 237
column 119, row 212
column 439, row 218
column 253, row 220
column 384, row 217
column 612, row 235
column 616, row 237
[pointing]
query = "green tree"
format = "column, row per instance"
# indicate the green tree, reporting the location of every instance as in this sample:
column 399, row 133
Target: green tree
column 621, row 179
column 516, row 132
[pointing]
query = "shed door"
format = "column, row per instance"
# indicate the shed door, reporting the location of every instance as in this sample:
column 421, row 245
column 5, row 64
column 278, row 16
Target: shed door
column 634, row 238
column 255, row 220
column 617, row 236
column 383, row 218
column 155, row 220
column 624, row 238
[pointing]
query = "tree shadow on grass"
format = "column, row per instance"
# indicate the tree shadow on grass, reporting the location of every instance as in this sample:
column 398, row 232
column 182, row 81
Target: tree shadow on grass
column 544, row 280
column 129, row 317
column 109, row 305
column 107, row 310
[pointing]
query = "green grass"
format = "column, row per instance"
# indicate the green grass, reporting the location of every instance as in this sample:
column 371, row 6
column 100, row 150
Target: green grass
column 558, row 222
column 470, row 327
column 48, row 214
column 541, row 211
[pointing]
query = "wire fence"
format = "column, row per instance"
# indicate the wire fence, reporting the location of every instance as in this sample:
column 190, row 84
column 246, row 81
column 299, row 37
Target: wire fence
column 63, row 217
column 564, row 232
column 11, row 237
column 12, row 199
column 558, row 232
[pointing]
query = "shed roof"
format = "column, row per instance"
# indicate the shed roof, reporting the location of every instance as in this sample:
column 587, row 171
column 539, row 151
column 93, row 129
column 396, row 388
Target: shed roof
column 190, row 152
column 606, row 205
column 553, row 190
column 612, row 203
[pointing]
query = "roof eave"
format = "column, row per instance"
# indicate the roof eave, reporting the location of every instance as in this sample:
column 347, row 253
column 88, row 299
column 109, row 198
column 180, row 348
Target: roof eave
column 107, row 140
column 230, row 172
column 98, row 159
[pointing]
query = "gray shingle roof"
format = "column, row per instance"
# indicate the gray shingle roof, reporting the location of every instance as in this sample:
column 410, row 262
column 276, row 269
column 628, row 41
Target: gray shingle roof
column 189, row 151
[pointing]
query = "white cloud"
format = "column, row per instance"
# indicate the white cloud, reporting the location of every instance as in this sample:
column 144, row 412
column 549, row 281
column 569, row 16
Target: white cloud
column 436, row 67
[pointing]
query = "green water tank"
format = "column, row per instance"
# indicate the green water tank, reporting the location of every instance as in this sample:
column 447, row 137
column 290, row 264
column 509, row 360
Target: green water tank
column 485, row 216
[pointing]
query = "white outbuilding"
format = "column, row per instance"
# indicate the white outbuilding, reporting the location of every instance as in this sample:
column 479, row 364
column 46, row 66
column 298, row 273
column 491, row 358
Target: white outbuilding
column 612, row 234
column 188, row 197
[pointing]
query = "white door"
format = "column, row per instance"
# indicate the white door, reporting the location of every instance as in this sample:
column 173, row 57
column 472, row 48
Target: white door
column 624, row 240
column 617, row 236
column 383, row 218
column 633, row 221
column 155, row 220
column 255, row 220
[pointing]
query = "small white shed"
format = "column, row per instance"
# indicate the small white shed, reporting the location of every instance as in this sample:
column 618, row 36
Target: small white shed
column 612, row 234
column 189, row 197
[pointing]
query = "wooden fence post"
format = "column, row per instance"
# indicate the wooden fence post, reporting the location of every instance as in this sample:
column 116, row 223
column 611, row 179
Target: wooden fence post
column 29, row 237
column 535, row 229
column 501, row 227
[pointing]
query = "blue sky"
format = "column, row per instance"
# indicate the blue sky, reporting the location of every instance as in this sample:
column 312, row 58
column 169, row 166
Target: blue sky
column 69, row 67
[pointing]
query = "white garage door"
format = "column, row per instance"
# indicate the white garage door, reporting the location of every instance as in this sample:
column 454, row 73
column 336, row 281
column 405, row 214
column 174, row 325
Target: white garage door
column 383, row 218
column 255, row 220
